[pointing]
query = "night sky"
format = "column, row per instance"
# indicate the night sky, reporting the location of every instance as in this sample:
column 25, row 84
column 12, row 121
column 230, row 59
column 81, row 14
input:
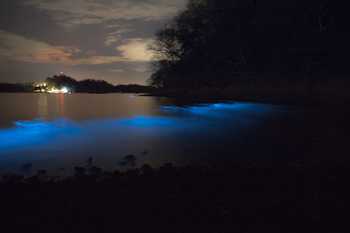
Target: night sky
column 99, row 39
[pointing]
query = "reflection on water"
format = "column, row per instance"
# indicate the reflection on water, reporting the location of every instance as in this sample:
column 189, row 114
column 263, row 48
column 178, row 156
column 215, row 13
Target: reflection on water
column 66, row 130
column 42, row 107
column 61, row 104
column 51, row 105
column 77, row 107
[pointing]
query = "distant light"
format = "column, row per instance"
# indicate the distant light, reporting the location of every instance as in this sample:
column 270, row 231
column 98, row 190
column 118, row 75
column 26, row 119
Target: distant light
column 63, row 90
column 41, row 84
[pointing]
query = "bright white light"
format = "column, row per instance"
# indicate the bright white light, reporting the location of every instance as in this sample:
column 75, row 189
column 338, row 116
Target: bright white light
column 63, row 90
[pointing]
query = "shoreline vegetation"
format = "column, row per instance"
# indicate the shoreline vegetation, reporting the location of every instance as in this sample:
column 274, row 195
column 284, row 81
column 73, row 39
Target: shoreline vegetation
column 74, row 86
column 242, row 196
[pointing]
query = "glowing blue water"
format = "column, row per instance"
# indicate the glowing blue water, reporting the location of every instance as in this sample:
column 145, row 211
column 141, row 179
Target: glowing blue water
column 173, row 133
column 219, row 110
column 149, row 121
column 34, row 134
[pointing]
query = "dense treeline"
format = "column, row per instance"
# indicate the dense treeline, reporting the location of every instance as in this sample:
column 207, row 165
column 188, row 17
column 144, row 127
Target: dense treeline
column 84, row 86
column 219, row 43
column 94, row 86
column 88, row 85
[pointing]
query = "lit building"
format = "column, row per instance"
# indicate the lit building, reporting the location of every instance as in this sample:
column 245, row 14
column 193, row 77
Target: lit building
column 42, row 87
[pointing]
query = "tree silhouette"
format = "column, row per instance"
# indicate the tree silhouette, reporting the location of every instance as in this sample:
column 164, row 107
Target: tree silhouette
column 217, row 43
column 59, row 81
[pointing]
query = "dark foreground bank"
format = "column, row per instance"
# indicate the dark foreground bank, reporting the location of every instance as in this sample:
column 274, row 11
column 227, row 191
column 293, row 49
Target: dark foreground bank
column 264, row 196
column 326, row 92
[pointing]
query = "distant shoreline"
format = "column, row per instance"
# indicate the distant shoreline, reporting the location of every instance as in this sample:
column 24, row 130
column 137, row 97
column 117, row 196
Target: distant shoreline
column 200, row 97
column 298, row 94
column 92, row 88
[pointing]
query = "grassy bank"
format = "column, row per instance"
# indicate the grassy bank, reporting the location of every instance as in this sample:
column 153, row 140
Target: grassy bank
column 268, row 196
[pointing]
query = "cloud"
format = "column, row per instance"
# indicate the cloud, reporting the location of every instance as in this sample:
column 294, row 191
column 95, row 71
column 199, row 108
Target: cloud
column 98, row 60
column 18, row 48
column 115, row 36
column 110, row 39
column 71, row 13
column 136, row 50
column 15, row 47
column 117, row 70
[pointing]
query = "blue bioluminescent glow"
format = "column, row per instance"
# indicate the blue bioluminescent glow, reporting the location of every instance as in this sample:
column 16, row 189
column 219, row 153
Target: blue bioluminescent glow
column 174, row 130
column 217, row 109
column 33, row 133
column 148, row 121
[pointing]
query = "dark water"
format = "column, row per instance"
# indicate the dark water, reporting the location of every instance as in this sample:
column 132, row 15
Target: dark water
column 57, row 132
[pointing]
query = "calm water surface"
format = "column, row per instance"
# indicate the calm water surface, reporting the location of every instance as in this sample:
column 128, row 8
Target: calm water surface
column 58, row 132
